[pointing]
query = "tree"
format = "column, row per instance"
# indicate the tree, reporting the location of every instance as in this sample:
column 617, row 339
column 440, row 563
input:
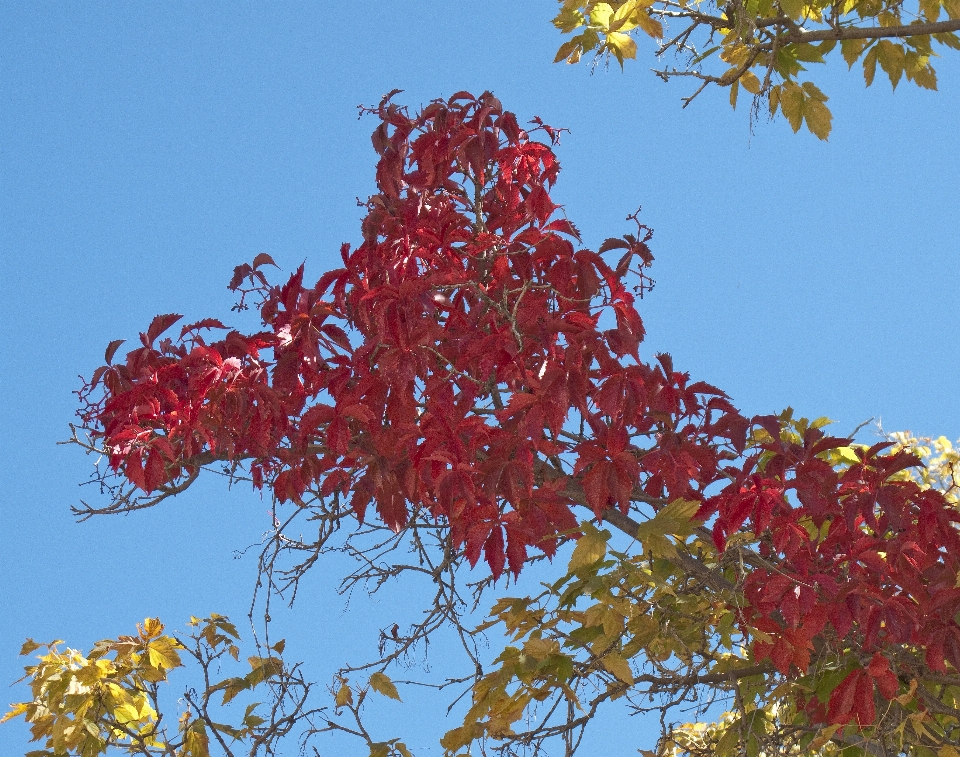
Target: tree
column 761, row 46
column 469, row 388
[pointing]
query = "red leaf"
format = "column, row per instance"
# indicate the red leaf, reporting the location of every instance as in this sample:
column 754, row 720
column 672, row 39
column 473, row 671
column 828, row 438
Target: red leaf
column 493, row 551
column 840, row 708
column 519, row 402
column 97, row 375
column 206, row 323
column 516, row 551
column 263, row 259
column 782, row 655
column 613, row 244
column 157, row 326
column 563, row 226
column 112, row 350
column 863, row 701
column 154, row 473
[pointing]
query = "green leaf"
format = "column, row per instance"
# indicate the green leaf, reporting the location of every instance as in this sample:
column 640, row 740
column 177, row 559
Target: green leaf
column 380, row 683
column 591, row 547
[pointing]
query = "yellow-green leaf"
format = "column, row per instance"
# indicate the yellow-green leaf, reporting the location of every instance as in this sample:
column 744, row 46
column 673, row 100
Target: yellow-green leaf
column 750, row 82
column 600, row 15
column 591, row 547
column 673, row 519
column 615, row 664
column 344, row 695
column 380, row 683
column 851, row 49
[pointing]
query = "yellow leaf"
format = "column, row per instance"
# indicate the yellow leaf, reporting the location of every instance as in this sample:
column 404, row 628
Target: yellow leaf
column 931, row 9
column 734, row 90
column 163, row 654
column 600, row 15
column 383, row 685
column 792, row 8
column 650, row 25
column 344, row 695
column 591, row 547
column 457, row 738
column 926, row 77
column 750, row 82
column 818, row 118
column 622, row 46
column 152, row 627
column 28, row 646
column 125, row 713
column 870, row 66
column 823, row 737
column 791, row 103
column 615, row 664
column 813, row 92
column 891, row 57
column 621, row 20
column 16, row 709
column 947, row 751
column 851, row 49
column 774, row 100
column 847, row 455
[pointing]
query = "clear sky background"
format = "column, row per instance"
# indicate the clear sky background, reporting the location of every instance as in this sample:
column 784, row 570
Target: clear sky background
column 147, row 148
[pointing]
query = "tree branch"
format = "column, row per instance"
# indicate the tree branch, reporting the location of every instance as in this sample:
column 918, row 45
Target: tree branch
column 876, row 32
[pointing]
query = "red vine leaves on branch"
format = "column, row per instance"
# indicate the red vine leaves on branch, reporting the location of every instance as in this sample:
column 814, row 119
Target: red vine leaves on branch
column 472, row 377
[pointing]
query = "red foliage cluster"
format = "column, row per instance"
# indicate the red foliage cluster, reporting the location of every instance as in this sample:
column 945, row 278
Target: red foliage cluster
column 853, row 553
column 472, row 362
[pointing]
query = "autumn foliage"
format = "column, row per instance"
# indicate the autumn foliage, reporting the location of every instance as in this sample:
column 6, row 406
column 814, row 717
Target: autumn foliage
column 473, row 362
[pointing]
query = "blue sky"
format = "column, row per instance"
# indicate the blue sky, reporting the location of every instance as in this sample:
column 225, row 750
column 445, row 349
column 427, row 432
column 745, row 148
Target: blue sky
column 146, row 149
